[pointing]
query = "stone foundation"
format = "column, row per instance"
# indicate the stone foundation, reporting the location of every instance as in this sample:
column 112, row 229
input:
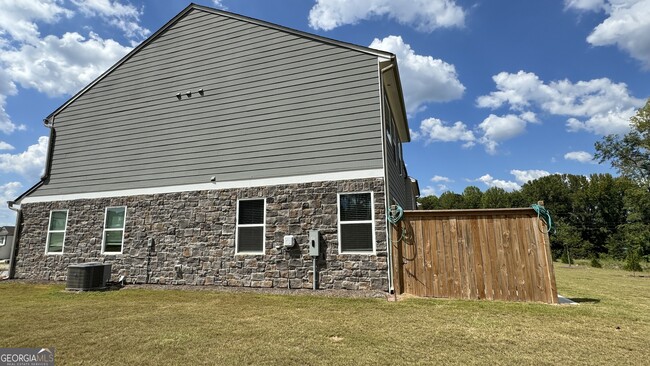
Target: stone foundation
column 194, row 238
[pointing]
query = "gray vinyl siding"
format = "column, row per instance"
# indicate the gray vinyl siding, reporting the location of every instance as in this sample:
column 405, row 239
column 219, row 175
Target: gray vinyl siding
column 275, row 104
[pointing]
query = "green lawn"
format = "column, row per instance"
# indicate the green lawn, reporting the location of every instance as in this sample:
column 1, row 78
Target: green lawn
column 153, row 327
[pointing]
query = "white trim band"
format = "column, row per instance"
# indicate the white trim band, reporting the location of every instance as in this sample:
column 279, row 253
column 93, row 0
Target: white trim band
column 357, row 174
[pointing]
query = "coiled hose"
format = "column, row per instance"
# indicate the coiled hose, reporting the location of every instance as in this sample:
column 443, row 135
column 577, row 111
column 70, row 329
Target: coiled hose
column 544, row 214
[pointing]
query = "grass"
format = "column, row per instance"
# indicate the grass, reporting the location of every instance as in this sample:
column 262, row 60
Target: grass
column 146, row 327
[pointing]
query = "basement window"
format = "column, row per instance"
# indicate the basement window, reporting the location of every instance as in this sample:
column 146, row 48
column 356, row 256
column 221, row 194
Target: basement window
column 56, row 231
column 250, row 226
column 113, row 239
column 356, row 223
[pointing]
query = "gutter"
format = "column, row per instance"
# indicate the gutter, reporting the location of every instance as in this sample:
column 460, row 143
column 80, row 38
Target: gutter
column 49, row 123
column 391, row 287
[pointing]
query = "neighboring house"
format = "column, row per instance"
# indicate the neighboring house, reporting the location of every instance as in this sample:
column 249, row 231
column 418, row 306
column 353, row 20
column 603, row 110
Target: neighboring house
column 192, row 158
column 6, row 241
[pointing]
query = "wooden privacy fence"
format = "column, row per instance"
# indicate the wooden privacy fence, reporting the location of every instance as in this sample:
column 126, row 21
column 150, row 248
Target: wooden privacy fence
column 494, row 254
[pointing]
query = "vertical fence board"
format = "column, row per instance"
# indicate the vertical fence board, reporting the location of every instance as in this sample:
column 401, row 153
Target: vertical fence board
column 442, row 271
column 477, row 259
column 500, row 254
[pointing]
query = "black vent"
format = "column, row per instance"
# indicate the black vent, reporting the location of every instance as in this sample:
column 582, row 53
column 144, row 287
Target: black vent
column 88, row 276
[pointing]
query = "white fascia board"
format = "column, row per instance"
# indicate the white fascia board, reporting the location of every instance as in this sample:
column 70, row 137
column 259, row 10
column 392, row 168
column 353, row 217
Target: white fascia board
column 322, row 177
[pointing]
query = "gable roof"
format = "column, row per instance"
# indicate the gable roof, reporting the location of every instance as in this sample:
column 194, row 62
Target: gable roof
column 391, row 81
column 192, row 6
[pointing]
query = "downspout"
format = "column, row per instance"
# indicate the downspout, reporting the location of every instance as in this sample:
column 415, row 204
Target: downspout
column 49, row 123
column 391, row 288
column 14, row 248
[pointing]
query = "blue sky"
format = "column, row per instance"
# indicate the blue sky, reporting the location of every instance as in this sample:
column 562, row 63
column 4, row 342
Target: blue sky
column 498, row 91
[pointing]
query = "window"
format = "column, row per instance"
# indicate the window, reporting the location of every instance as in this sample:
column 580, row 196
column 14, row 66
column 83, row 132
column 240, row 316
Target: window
column 113, row 230
column 56, row 231
column 3, row 241
column 356, row 223
column 250, row 226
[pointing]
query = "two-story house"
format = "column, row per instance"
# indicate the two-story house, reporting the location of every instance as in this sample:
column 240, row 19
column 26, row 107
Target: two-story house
column 196, row 157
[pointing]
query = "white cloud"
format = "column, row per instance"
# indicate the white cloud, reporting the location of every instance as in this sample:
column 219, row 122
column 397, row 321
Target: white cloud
column 17, row 17
column 415, row 135
column 5, row 146
column 58, row 66
column 52, row 65
column 489, row 181
column 524, row 176
column 125, row 17
column 219, row 4
column 439, row 178
column 8, row 192
column 6, row 125
column 431, row 191
column 424, row 79
column 617, row 121
column 627, row 25
column 604, row 106
column 7, row 87
column 29, row 163
column 433, row 129
column 580, row 156
column 423, row 15
column 500, row 128
column 521, row 177
column 585, row 5
column 428, row 191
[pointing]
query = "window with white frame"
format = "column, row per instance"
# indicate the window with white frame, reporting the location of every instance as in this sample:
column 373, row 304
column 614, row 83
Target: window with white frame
column 250, row 226
column 114, row 221
column 56, row 231
column 356, row 223
column 3, row 240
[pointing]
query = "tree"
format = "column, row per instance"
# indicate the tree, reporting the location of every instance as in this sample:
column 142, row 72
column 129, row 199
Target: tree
column 429, row 202
column 495, row 197
column 472, row 197
column 630, row 153
column 450, row 200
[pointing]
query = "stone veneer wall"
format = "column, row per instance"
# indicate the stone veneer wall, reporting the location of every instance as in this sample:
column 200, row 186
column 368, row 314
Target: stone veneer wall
column 194, row 238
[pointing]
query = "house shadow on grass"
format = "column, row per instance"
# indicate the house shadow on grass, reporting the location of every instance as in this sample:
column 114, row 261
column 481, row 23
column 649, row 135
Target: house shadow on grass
column 587, row 300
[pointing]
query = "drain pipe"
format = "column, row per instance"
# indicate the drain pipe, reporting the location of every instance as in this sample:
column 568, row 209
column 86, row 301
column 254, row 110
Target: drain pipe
column 49, row 123
column 391, row 288
column 14, row 248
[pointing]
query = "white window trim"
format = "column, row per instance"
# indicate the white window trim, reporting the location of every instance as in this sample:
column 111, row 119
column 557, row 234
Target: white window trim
column 64, row 231
column 3, row 240
column 263, row 225
column 113, row 229
column 372, row 221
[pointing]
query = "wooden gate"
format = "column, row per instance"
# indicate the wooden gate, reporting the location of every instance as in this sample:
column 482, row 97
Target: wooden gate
column 494, row 254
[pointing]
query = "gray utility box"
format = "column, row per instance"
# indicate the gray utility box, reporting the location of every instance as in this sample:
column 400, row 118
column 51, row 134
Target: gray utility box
column 314, row 243
column 88, row 276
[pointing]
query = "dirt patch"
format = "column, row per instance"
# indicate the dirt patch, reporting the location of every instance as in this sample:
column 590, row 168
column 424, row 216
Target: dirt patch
column 271, row 291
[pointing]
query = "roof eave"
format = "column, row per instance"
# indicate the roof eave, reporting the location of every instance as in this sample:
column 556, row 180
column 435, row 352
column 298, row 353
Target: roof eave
column 393, row 86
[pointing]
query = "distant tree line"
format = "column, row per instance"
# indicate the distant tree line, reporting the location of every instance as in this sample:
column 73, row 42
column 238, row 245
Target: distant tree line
column 595, row 215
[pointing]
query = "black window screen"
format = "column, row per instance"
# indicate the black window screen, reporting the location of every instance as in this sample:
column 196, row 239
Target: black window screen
column 251, row 212
column 355, row 217
column 250, row 226
column 356, row 207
